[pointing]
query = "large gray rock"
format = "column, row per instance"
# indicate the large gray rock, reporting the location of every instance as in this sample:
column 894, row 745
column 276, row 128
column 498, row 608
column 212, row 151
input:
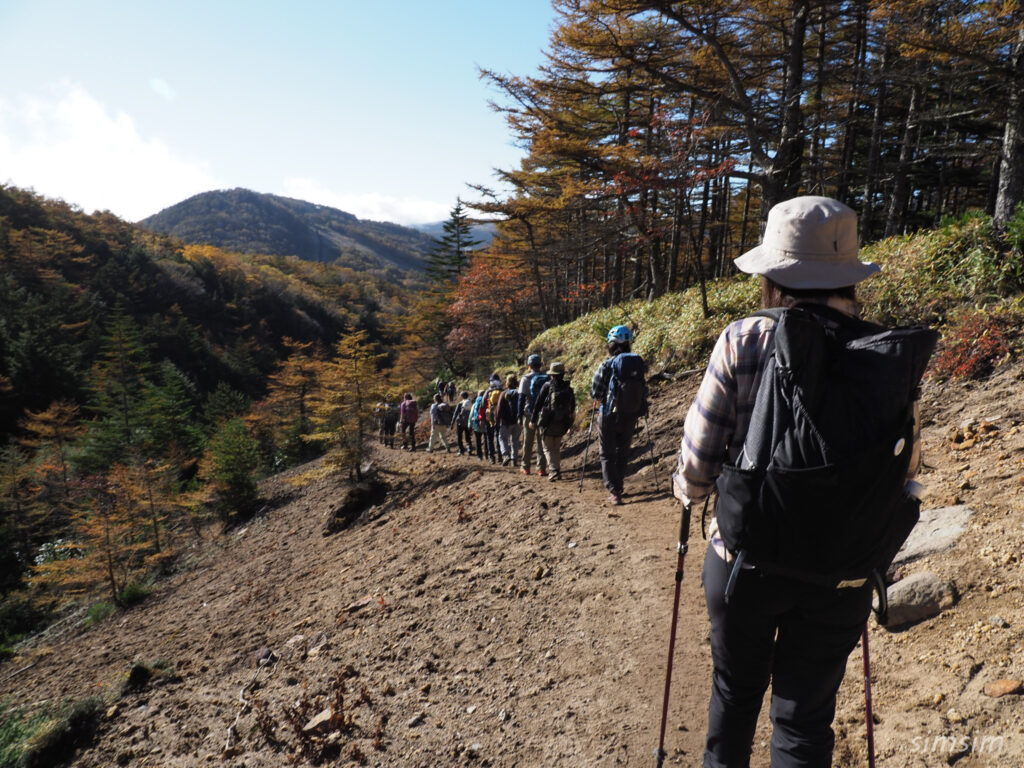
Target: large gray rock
column 917, row 598
column 936, row 531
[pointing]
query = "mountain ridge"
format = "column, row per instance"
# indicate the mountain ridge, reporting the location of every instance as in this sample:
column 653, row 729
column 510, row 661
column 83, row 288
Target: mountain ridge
column 256, row 222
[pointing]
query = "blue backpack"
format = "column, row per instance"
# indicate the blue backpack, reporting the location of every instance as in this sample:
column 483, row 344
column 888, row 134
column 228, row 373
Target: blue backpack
column 627, row 389
column 537, row 381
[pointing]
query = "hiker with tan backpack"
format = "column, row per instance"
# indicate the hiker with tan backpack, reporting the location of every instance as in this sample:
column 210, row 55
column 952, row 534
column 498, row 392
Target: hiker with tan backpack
column 554, row 415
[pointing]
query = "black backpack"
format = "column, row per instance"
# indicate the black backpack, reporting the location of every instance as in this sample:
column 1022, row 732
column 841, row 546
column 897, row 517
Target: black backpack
column 557, row 414
column 508, row 407
column 818, row 492
column 627, row 389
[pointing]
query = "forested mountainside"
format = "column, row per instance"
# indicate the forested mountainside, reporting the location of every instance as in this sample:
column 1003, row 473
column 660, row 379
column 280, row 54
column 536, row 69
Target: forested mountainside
column 251, row 222
column 205, row 316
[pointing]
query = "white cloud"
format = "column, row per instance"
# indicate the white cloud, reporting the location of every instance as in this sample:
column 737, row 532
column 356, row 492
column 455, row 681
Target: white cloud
column 72, row 147
column 371, row 205
column 160, row 87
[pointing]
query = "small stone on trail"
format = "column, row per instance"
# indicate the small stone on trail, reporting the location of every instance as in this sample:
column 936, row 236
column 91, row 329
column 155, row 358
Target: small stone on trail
column 319, row 720
column 539, row 573
column 360, row 603
column 415, row 720
column 112, row 712
column 999, row 688
column 998, row 621
column 471, row 709
column 919, row 597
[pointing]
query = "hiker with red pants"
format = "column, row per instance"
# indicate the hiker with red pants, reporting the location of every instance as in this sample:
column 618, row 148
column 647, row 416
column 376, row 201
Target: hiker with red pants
column 408, row 414
column 769, row 625
column 619, row 392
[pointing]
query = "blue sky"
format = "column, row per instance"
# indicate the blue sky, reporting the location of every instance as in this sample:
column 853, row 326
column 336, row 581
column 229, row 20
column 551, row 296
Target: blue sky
column 372, row 107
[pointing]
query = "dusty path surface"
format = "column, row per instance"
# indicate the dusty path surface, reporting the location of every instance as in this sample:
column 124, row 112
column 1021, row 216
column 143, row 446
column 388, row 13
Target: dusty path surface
column 478, row 616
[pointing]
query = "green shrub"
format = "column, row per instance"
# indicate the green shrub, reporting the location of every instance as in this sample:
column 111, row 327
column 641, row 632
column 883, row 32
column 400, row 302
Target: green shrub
column 98, row 612
column 47, row 737
column 133, row 594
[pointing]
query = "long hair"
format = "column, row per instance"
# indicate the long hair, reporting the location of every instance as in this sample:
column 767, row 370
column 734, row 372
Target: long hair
column 774, row 295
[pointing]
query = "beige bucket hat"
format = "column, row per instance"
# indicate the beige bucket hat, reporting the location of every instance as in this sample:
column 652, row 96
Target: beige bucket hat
column 556, row 369
column 809, row 242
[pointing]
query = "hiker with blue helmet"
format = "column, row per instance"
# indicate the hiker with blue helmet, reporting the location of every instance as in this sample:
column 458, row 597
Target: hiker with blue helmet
column 619, row 392
column 770, row 626
column 529, row 389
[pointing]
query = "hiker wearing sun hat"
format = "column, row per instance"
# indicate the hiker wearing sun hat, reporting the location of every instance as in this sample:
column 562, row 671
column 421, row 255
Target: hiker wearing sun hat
column 768, row 627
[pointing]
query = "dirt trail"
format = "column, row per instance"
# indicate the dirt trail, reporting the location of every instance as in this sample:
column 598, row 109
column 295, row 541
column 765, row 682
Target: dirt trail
column 482, row 617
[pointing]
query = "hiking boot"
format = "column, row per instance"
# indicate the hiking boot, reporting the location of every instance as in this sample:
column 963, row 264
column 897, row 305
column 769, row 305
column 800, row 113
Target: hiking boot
column 614, row 499
column 506, row 461
column 541, row 473
column 524, row 471
column 555, row 476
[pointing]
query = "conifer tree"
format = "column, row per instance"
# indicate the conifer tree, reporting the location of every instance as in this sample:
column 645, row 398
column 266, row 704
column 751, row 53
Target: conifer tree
column 118, row 384
column 283, row 418
column 229, row 466
column 344, row 418
column 450, row 253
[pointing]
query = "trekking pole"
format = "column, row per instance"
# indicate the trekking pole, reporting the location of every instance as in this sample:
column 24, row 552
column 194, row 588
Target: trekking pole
column 684, row 535
column 586, row 447
column 867, row 699
column 650, row 440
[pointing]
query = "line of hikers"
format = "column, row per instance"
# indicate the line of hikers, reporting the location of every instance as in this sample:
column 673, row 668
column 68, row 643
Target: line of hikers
column 806, row 428
column 515, row 420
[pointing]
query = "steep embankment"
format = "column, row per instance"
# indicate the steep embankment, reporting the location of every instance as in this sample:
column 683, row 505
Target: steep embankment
column 482, row 617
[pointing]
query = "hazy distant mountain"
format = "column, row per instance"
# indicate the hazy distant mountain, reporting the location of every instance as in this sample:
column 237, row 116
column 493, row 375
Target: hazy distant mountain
column 252, row 222
column 482, row 232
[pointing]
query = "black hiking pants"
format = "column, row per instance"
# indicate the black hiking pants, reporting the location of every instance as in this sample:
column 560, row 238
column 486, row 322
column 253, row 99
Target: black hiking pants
column 463, row 431
column 795, row 635
column 615, row 436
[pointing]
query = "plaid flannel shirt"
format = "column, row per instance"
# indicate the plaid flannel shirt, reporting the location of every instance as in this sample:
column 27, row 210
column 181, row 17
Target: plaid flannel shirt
column 717, row 421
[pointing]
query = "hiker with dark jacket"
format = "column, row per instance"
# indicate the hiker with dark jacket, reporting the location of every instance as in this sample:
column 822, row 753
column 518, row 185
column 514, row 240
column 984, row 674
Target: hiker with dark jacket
column 794, row 634
column 531, row 435
column 408, row 415
column 440, row 418
column 507, row 419
column 460, row 422
column 477, row 424
column 553, row 415
column 619, row 392
column 390, row 419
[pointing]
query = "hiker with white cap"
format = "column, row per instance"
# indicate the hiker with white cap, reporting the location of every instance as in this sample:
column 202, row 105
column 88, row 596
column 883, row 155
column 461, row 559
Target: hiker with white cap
column 767, row 627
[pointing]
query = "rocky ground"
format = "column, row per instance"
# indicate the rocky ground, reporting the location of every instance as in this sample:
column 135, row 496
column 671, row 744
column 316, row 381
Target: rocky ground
column 479, row 617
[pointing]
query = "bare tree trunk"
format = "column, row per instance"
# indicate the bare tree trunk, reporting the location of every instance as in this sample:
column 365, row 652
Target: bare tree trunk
column 1011, row 153
column 901, row 188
